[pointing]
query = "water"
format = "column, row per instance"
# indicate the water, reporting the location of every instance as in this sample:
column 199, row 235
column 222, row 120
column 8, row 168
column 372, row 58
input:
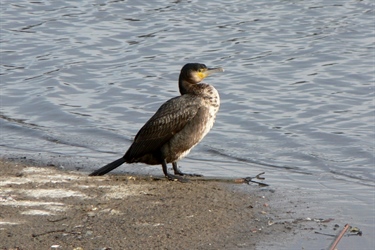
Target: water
column 78, row 79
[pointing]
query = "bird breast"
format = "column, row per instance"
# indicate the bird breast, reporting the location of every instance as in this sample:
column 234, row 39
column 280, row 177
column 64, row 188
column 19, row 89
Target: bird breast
column 212, row 99
column 181, row 143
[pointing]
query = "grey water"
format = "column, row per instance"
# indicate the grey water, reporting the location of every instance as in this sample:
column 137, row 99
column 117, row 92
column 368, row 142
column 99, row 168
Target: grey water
column 79, row 78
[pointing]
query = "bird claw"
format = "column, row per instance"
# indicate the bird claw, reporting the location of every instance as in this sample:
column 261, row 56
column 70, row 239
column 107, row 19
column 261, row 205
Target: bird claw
column 187, row 174
column 177, row 171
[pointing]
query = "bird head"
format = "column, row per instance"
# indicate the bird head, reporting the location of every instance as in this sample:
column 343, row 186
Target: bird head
column 196, row 72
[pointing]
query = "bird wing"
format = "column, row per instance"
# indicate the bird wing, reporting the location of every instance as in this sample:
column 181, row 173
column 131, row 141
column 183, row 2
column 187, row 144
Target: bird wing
column 170, row 118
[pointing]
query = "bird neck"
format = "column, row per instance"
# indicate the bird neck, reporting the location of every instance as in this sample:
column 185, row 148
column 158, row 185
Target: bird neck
column 185, row 87
column 206, row 91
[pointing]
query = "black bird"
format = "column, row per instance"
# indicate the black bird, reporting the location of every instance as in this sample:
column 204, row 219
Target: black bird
column 177, row 126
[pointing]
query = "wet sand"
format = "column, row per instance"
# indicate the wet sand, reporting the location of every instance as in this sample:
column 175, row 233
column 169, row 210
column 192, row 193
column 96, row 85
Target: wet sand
column 47, row 208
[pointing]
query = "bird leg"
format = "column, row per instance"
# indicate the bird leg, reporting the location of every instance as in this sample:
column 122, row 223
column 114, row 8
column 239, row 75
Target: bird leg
column 169, row 176
column 177, row 171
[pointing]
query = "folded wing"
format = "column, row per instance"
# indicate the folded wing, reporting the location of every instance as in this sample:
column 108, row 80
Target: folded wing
column 170, row 118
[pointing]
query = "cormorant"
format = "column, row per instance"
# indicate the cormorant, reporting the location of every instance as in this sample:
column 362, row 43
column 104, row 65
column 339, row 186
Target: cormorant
column 177, row 126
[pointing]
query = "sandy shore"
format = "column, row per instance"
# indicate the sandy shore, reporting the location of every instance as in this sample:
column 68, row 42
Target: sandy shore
column 46, row 208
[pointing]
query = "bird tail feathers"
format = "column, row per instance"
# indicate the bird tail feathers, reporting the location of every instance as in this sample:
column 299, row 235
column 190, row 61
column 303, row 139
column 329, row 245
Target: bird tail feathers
column 109, row 167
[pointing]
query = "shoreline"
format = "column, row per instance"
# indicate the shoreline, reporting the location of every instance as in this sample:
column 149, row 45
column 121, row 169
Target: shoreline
column 48, row 208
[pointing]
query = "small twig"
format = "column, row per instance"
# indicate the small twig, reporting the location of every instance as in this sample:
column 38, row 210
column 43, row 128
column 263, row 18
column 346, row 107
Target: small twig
column 260, row 178
column 250, row 179
column 331, row 235
column 338, row 237
column 54, row 231
column 49, row 232
column 246, row 180
column 57, row 220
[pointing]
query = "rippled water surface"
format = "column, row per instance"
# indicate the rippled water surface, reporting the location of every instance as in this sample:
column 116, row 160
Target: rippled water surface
column 79, row 78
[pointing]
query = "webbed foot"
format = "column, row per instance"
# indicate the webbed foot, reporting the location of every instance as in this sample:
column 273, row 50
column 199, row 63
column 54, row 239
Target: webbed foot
column 177, row 171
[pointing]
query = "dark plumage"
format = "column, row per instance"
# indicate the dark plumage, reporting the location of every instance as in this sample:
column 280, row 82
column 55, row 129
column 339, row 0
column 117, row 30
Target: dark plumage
column 177, row 126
